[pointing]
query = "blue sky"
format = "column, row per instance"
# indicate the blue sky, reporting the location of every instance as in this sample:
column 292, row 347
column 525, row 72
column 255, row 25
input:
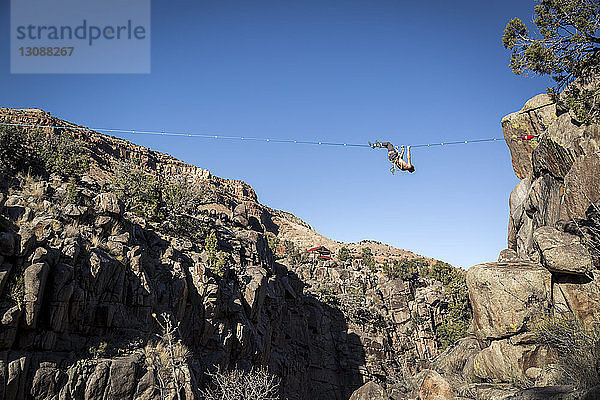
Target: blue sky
column 349, row 71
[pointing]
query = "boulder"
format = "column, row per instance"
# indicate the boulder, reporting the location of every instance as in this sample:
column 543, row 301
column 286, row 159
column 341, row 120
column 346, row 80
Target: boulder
column 581, row 295
column 544, row 202
column 123, row 381
column 255, row 291
column 45, row 228
column 592, row 394
column 561, row 392
column 508, row 256
column 35, row 277
column 434, row 387
column 369, row 391
column 96, row 384
column 122, row 238
column 507, row 297
column 42, row 254
column 16, row 212
column 28, row 240
column 562, row 252
column 240, row 215
column 457, row 361
column 520, row 224
column 10, row 323
column 47, row 380
column 108, row 203
column 505, row 362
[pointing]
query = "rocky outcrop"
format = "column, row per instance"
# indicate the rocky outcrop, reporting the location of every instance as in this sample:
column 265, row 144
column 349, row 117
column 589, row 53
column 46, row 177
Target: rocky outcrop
column 369, row 391
column 549, row 267
column 434, row 387
column 533, row 119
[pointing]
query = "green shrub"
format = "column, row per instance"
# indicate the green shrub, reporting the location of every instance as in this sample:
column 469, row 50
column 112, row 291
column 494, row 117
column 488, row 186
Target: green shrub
column 17, row 290
column 63, row 154
column 140, row 191
column 456, row 322
column 327, row 294
column 189, row 227
column 294, row 254
column 344, row 254
column 72, row 194
column 13, row 154
column 367, row 258
column 217, row 259
column 60, row 153
column 565, row 48
column 272, row 241
column 181, row 197
column 98, row 351
column 358, row 309
column 405, row 269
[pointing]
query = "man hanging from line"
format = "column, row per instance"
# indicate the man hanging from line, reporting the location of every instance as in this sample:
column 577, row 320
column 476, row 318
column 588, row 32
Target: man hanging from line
column 397, row 160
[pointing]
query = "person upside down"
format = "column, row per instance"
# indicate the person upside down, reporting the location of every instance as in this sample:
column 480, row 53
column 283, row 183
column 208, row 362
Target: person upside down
column 397, row 160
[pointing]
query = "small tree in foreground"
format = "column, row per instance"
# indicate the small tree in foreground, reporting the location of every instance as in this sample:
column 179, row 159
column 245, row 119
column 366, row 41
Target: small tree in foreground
column 256, row 384
column 567, row 49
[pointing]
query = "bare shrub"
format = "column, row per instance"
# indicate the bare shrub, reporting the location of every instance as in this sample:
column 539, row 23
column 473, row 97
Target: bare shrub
column 256, row 384
column 167, row 357
column 577, row 348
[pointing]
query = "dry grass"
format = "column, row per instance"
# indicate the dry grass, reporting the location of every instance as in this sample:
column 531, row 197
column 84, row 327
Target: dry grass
column 31, row 187
column 72, row 230
column 116, row 229
column 97, row 242
column 577, row 348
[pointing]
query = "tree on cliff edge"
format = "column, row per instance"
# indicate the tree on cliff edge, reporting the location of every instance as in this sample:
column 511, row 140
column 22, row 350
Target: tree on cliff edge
column 567, row 49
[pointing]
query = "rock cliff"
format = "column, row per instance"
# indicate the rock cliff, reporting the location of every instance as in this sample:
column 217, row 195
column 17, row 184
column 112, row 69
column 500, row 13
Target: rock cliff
column 84, row 281
column 549, row 269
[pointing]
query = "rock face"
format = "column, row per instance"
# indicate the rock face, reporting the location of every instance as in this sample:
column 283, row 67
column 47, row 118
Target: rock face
column 82, row 280
column 506, row 298
column 532, row 119
column 562, row 252
column 551, row 261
